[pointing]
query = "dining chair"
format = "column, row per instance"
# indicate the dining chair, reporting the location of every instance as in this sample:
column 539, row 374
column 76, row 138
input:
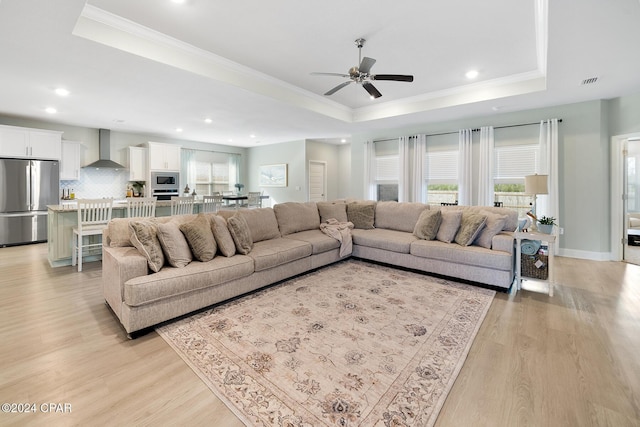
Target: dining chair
column 211, row 203
column 254, row 199
column 93, row 217
column 181, row 205
column 141, row 206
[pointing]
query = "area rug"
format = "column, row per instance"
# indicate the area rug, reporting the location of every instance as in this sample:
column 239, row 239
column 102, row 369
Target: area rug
column 353, row 344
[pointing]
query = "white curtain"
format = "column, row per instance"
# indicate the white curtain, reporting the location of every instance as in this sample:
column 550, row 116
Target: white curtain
column 188, row 169
column 549, row 204
column 369, row 170
column 234, row 171
column 419, row 154
column 485, row 169
column 465, row 176
column 404, row 170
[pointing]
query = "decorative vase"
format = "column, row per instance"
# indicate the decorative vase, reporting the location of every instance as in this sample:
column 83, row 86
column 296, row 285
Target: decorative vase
column 545, row 228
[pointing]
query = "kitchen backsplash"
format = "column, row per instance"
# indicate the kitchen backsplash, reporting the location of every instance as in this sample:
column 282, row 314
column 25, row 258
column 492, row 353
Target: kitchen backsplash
column 98, row 183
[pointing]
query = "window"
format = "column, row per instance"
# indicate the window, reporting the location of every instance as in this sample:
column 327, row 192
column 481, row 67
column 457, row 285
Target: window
column 387, row 175
column 210, row 172
column 441, row 176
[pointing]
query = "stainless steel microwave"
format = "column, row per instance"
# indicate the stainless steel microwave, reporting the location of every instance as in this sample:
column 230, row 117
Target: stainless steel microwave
column 165, row 180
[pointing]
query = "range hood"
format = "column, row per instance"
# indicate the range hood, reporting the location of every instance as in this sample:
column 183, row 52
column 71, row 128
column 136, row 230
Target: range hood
column 104, row 147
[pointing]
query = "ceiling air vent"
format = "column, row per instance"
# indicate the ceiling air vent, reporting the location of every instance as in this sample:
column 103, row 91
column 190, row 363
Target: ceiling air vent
column 589, row 81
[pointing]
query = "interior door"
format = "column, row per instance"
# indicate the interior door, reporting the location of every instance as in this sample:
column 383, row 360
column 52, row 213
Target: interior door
column 631, row 201
column 317, row 181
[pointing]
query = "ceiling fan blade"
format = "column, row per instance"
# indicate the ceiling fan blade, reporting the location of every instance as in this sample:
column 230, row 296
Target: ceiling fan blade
column 330, row 74
column 393, row 77
column 337, row 88
column 366, row 64
column 371, row 89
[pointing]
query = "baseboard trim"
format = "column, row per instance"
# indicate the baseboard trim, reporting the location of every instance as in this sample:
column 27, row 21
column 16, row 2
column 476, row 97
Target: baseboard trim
column 594, row 256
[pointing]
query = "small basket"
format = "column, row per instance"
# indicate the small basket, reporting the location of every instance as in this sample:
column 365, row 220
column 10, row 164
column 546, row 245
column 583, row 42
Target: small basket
column 529, row 268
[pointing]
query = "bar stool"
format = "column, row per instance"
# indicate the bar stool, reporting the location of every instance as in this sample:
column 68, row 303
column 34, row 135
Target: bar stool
column 93, row 217
column 254, row 199
column 141, row 206
column 181, row 205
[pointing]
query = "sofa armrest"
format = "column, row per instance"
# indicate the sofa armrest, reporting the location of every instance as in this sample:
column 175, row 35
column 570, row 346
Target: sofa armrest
column 503, row 241
column 119, row 265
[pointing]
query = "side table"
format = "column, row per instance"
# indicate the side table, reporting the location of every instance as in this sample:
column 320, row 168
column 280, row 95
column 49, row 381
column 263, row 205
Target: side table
column 550, row 239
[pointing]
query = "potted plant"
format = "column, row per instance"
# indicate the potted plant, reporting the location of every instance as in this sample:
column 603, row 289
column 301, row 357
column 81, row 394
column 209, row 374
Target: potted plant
column 239, row 187
column 546, row 223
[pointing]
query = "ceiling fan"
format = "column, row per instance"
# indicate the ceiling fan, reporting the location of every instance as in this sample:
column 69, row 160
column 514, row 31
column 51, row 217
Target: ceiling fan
column 361, row 74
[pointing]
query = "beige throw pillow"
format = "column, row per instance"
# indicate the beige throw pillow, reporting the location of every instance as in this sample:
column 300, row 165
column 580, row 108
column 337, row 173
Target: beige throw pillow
column 494, row 224
column 241, row 234
column 470, row 227
column 428, row 224
column 174, row 246
column 144, row 238
column 449, row 225
column 362, row 214
column 200, row 238
column 222, row 236
column 335, row 210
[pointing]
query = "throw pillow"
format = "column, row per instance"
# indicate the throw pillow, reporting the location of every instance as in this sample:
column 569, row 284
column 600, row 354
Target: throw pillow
column 241, row 234
column 144, row 238
column 362, row 214
column 222, row 236
column 428, row 224
column 470, row 226
column 449, row 225
column 335, row 210
column 200, row 238
column 119, row 233
column 174, row 246
column 495, row 224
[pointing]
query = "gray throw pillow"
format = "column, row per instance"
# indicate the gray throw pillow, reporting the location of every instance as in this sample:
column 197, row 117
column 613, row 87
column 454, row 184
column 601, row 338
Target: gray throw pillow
column 449, row 225
column 225, row 242
column 470, row 227
column 241, row 234
column 494, row 224
column 200, row 238
column 428, row 224
column 144, row 237
column 362, row 214
column 335, row 210
column 174, row 245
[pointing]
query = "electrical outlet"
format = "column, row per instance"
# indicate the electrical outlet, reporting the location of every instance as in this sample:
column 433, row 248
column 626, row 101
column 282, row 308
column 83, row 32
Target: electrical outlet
column 561, row 230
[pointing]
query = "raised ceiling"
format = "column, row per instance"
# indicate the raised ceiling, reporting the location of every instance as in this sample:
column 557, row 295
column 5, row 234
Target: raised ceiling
column 152, row 66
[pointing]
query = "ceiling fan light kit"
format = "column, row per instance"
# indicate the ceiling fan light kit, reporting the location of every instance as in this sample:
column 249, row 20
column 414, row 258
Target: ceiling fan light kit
column 362, row 75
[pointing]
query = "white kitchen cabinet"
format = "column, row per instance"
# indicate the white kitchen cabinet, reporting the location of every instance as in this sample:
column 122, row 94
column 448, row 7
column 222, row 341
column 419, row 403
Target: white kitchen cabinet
column 70, row 161
column 30, row 143
column 137, row 164
column 163, row 157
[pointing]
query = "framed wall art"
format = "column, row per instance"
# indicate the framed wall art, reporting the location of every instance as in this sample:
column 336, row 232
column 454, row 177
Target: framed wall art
column 273, row 175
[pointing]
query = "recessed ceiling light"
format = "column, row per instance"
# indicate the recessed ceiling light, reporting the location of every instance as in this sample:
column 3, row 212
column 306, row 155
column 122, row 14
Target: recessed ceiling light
column 178, row 1
column 252, row 136
column 208, row 120
column 230, row 140
column 343, row 140
column 62, row 91
column 471, row 74
column 50, row 110
column 178, row 129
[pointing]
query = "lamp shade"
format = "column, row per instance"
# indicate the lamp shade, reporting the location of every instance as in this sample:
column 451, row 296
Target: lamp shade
column 536, row 184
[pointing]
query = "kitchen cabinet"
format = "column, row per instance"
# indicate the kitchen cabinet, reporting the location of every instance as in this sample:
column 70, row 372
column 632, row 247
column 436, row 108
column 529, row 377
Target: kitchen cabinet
column 163, row 157
column 137, row 164
column 30, row 143
column 70, row 161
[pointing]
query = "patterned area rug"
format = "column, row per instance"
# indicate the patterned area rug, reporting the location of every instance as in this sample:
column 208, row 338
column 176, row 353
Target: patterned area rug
column 353, row 344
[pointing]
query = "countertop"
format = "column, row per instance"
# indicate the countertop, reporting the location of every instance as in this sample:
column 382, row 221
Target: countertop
column 71, row 206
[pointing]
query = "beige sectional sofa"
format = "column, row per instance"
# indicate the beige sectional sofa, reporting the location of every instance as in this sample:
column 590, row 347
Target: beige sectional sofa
column 279, row 243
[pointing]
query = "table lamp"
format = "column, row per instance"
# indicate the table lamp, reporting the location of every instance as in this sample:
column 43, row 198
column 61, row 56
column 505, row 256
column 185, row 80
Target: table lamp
column 534, row 185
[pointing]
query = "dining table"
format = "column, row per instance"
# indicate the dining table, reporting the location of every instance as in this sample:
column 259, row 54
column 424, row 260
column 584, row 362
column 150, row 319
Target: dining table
column 238, row 198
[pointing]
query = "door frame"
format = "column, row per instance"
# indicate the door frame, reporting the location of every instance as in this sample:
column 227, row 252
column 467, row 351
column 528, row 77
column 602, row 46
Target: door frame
column 324, row 165
column 618, row 144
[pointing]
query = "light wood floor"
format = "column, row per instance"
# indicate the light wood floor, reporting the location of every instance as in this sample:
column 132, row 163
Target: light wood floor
column 570, row 360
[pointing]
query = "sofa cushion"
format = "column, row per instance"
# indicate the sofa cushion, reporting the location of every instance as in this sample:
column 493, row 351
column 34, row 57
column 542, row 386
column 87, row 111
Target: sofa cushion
column 221, row 233
column 428, row 224
column 200, row 238
column 493, row 225
column 275, row 252
column 293, row 217
column 362, row 214
column 262, row 223
column 468, row 255
column 335, row 210
column 171, row 281
column 470, row 226
column 449, row 225
column 174, row 245
column 319, row 241
column 119, row 232
column 381, row 238
column 241, row 234
column 398, row 216
column 144, row 236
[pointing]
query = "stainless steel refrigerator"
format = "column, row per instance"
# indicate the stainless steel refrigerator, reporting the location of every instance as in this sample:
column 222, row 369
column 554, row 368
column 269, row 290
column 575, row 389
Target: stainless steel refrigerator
column 26, row 188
